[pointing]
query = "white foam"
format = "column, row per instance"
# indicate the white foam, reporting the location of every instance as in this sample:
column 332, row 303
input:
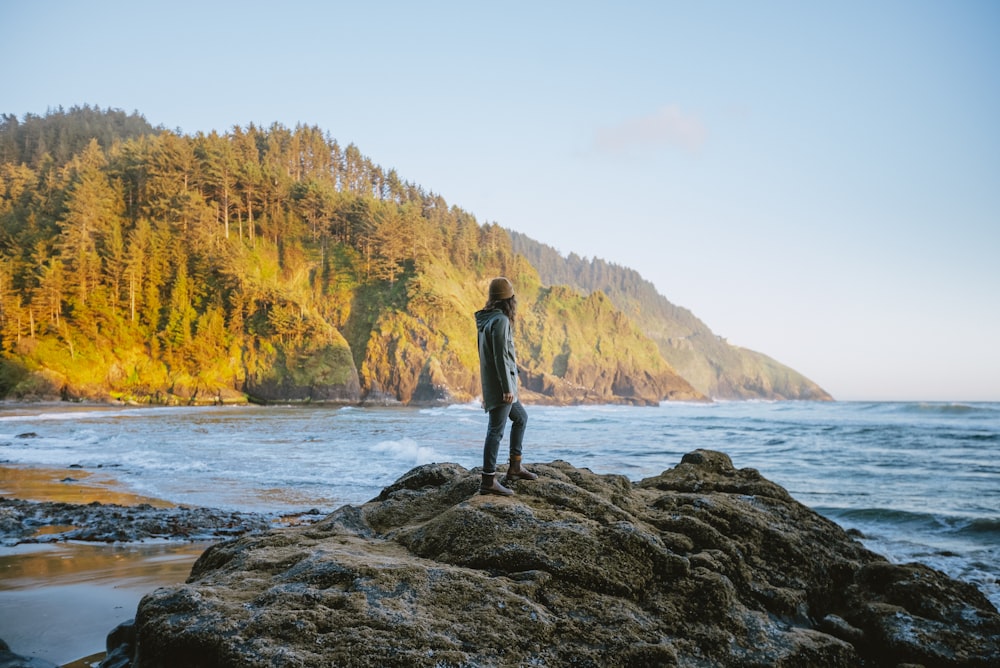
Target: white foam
column 407, row 450
column 476, row 406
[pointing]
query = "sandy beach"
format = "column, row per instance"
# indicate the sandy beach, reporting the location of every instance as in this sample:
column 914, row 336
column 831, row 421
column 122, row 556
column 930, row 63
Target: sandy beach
column 58, row 601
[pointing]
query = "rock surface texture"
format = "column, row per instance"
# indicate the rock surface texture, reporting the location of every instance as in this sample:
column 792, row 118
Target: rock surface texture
column 703, row 565
column 51, row 522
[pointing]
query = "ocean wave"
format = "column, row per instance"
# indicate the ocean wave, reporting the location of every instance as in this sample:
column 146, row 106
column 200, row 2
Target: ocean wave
column 947, row 408
column 927, row 408
column 594, row 420
column 983, row 525
column 977, row 437
column 149, row 463
column 959, row 526
column 883, row 515
column 104, row 413
column 686, row 406
column 407, row 450
column 474, row 405
column 60, row 416
column 590, row 408
column 449, row 408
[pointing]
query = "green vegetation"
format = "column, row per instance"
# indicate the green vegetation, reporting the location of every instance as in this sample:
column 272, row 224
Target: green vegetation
column 143, row 265
column 712, row 365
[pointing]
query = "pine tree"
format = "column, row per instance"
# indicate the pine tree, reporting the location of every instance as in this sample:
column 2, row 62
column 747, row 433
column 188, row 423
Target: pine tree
column 182, row 314
column 93, row 211
column 217, row 172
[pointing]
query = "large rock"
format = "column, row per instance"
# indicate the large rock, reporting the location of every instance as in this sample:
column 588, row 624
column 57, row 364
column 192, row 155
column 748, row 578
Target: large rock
column 8, row 659
column 703, row 565
column 311, row 371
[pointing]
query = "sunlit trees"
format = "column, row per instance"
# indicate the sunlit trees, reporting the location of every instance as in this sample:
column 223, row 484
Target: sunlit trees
column 182, row 314
column 51, row 290
column 136, row 265
column 11, row 312
column 90, row 239
column 218, row 171
column 205, row 254
column 249, row 177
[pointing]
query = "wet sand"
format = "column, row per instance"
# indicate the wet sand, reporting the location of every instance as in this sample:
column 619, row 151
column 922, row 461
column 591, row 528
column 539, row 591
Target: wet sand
column 71, row 485
column 58, row 601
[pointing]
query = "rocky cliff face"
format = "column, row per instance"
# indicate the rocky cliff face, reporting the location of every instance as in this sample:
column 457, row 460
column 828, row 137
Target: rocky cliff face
column 703, row 565
column 714, row 367
column 571, row 348
column 308, row 372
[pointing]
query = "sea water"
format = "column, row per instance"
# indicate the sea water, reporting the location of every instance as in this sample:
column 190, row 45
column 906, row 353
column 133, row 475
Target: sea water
column 920, row 481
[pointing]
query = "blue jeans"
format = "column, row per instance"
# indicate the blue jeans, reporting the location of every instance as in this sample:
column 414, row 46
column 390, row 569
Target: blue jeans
column 498, row 420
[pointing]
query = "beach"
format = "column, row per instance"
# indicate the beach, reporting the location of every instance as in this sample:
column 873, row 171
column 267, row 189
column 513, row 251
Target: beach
column 58, row 601
column 890, row 472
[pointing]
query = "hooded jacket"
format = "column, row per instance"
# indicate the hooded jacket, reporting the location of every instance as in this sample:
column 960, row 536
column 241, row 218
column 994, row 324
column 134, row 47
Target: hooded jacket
column 497, row 361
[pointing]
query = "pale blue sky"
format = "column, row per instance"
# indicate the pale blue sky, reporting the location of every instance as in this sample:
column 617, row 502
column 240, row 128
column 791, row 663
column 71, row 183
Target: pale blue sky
column 817, row 182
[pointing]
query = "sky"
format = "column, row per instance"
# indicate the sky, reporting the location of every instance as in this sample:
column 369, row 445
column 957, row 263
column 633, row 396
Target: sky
column 819, row 182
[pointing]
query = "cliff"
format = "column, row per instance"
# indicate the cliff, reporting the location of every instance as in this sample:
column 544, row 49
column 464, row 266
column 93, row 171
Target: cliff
column 712, row 365
column 702, row 565
column 571, row 348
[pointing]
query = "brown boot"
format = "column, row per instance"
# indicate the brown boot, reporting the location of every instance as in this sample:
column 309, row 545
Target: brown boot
column 515, row 472
column 489, row 485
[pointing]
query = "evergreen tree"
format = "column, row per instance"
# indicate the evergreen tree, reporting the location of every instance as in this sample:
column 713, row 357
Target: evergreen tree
column 93, row 210
column 182, row 315
column 218, row 173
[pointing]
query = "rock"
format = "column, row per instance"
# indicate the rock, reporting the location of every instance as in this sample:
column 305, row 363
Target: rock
column 46, row 522
column 701, row 565
column 837, row 626
column 9, row 659
column 315, row 371
column 120, row 646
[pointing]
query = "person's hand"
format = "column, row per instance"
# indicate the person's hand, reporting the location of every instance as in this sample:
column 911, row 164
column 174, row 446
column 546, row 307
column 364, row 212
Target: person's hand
column 508, row 397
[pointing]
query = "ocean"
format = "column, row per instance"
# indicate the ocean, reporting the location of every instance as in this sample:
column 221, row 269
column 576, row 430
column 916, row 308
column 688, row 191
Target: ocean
column 920, row 481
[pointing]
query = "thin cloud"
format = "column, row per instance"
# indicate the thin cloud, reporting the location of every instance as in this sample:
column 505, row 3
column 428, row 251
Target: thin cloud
column 667, row 127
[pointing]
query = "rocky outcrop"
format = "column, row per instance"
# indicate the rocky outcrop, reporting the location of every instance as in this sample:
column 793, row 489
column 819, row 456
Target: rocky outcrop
column 50, row 522
column 601, row 386
column 724, row 371
column 703, row 565
column 572, row 349
column 581, row 349
column 8, row 659
column 311, row 371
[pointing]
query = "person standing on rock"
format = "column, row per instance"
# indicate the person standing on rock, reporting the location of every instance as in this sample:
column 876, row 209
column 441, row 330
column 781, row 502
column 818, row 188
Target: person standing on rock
column 498, row 370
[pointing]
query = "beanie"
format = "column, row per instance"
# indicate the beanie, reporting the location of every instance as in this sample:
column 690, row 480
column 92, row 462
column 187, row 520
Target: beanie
column 501, row 288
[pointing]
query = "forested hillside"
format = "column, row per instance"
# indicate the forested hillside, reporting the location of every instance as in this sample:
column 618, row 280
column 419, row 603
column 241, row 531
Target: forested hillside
column 713, row 366
column 269, row 264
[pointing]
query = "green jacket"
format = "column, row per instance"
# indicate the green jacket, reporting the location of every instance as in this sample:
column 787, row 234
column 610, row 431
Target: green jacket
column 497, row 361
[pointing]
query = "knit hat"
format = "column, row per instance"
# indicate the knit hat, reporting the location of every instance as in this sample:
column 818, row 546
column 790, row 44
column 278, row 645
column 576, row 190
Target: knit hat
column 501, row 288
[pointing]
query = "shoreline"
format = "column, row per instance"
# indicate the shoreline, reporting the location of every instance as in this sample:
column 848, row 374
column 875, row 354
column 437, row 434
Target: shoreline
column 794, row 432
column 60, row 599
column 73, row 484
